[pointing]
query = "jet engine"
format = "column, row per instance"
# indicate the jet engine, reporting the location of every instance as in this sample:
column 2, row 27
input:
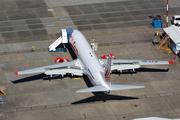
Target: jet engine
column 111, row 55
column 61, row 60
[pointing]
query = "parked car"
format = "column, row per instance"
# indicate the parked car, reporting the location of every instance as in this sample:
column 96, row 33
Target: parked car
column 176, row 19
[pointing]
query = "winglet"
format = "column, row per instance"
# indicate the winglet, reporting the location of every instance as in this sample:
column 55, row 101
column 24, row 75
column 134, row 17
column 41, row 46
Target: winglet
column 16, row 73
column 171, row 62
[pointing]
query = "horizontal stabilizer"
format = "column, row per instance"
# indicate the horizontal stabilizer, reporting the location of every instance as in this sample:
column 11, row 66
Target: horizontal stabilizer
column 99, row 88
column 124, row 87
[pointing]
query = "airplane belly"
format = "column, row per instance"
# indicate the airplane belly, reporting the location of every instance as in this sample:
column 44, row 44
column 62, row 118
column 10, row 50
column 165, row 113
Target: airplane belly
column 94, row 81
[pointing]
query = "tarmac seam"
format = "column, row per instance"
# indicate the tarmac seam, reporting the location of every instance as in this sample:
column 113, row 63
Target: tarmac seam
column 24, row 30
column 27, row 24
column 120, row 11
column 84, row 35
column 56, row 19
column 26, row 40
column 65, row 105
column 100, row 45
column 95, row 18
column 165, row 94
column 113, row 111
column 122, row 32
column 107, row 23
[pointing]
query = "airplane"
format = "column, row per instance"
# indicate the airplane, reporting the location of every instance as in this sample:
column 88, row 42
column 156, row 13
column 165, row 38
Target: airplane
column 87, row 63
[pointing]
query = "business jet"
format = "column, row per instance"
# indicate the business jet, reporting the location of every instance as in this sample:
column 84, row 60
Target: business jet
column 98, row 70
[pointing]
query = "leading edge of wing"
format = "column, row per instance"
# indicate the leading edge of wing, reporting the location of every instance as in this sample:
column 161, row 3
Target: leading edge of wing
column 43, row 68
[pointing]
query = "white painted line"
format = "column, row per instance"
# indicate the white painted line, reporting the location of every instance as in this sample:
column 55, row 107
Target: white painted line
column 50, row 9
column 50, row 25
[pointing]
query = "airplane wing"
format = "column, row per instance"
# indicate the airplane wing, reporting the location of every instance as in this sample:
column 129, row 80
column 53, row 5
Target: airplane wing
column 124, row 67
column 127, row 64
column 74, row 67
column 142, row 62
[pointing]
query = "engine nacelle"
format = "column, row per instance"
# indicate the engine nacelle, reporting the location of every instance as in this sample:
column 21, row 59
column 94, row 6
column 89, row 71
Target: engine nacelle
column 61, row 60
column 111, row 55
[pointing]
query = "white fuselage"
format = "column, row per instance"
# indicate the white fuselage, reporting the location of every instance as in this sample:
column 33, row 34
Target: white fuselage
column 91, row 63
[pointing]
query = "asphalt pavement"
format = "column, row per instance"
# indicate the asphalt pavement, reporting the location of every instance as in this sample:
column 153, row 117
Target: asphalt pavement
column 121, row 27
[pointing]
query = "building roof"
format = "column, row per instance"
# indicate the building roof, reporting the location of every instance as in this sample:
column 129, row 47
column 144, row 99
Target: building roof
column 174, row 33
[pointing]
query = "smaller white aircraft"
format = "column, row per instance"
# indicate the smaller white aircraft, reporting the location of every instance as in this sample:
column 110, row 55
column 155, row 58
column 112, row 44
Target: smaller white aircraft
column 1, row 64
column 154, row 118
column 98, row 70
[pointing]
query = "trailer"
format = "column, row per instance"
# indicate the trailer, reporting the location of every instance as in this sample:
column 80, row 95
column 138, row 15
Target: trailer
column 174, row 34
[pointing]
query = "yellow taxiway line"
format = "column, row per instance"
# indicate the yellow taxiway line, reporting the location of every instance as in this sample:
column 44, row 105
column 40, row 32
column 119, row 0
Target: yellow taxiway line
column 83, row 83
column 66, row 55
column 176, row 62
column 77, row 77
column 56, row 19
column 61, row 28
column 81, row 80
column 53, row 34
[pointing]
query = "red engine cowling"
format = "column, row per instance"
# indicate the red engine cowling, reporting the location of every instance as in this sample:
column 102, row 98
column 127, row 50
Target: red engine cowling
column 111, row 55
column 61, row 60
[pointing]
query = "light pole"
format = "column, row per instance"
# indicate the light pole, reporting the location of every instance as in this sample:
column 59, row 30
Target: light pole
column 167, row 15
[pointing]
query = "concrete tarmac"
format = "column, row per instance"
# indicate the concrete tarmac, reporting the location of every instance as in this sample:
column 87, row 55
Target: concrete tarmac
column 121, row 27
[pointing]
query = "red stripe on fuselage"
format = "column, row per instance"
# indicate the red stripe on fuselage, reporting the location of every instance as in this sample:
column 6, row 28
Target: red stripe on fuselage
column 73, row 44
column 107, row 76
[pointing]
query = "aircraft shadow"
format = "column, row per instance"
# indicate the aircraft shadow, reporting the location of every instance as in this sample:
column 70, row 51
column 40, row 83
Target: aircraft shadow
column 100, row 96
column 73, row 55
column 39, row 77
column 28, row 79
column 141, row 70
column 152, row 70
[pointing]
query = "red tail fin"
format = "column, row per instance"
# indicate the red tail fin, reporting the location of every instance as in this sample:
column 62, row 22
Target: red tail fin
column 108, row 71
